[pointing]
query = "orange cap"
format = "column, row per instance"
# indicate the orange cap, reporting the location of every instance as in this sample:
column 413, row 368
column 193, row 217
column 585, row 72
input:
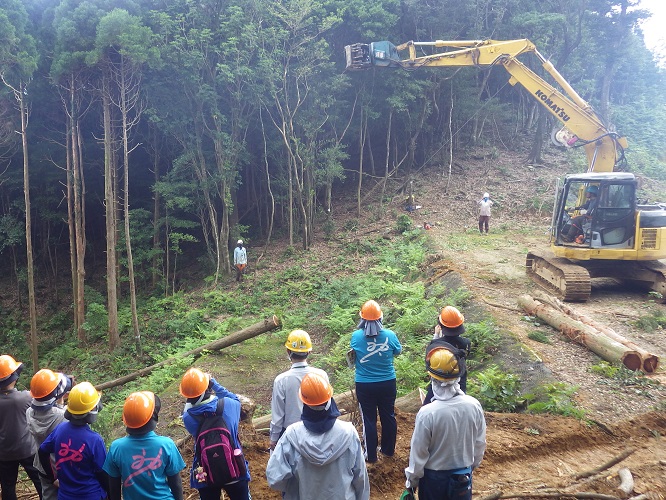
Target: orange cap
column 371, row 311
column 194, row 383
column 315, row 390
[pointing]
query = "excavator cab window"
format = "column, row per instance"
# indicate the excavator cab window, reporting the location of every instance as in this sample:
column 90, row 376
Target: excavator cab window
column 608, row 221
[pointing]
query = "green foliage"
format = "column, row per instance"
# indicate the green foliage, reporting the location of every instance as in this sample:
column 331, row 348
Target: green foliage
column 403, row 223
column 539, row 336
column 485, row 338
column 622, row 375
column 653, row 321
column 496, row 389
column 554, row 398
column 605, row 369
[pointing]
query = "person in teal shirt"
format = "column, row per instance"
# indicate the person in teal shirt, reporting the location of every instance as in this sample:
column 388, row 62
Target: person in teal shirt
column 374, row 348
column 143, row 465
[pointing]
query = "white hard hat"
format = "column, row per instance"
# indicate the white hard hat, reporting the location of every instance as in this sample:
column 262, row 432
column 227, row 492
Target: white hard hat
column 486, row 195
column 239, row 242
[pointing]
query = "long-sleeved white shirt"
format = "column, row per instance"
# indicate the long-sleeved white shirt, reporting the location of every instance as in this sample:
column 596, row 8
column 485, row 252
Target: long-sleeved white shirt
column 484, row 207
column 448, row 435
column 240, row 255
column 286, row 406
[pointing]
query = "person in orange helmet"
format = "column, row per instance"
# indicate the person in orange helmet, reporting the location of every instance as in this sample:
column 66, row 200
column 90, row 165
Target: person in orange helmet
column 318, row 456
column 46, row 412
column 143, row 465
column 374, row 348
column 17, row 446
column 448, row 334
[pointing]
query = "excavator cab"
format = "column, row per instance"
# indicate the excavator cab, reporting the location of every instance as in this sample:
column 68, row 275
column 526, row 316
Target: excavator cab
column 610, row 222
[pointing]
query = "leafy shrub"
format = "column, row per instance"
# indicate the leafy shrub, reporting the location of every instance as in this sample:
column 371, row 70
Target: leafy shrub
column 554, row 398
column 403, row 223
column 485, row 339
column 496, row 389
column 653, row 321
column 538, row 336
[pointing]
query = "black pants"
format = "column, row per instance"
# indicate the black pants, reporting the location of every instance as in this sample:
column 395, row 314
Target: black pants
column 445, row 485
column 239, row 490
column 374, row 397
column 483, row 223
column 9, row 474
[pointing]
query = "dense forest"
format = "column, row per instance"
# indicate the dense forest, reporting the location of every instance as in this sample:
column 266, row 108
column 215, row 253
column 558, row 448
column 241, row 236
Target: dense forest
column 138, row 135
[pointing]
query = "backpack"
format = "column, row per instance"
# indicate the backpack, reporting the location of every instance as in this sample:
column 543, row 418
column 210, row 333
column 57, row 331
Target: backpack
column 220, row 462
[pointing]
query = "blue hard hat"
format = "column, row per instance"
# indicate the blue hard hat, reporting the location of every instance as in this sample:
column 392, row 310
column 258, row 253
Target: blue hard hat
column 592, row 189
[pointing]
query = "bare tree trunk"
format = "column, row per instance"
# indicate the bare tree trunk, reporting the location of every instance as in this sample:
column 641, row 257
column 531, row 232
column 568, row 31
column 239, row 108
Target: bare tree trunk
column 70, row 221
column 111, row 226
column 79, row 229
column 28, row 228
column 388, row 154
column 128, row 99
column 362, row 135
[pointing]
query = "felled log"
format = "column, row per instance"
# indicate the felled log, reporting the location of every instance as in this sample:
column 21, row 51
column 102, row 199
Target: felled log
column 234, row 338
column 579, row 332
column 649, row 361
column 346, row 401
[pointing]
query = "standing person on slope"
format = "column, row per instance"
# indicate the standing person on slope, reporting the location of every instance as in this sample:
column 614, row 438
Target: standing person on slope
column 375, row 347
column 449, row 437
column 240, row 260
column 484, row 212
column 286, row 405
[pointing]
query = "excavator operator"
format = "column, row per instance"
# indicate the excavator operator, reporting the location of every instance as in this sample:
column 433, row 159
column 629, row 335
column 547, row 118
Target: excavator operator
column 575, row 231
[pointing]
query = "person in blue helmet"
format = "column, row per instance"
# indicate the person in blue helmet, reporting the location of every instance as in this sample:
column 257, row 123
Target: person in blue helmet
column 575, row 230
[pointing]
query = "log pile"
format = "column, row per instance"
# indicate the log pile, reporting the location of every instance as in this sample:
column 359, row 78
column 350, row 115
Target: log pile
column 600, row 339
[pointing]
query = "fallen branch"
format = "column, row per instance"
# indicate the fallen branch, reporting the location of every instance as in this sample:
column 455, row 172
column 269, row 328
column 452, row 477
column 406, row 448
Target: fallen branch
column 561, row 494
column 607, row 465
column 626, row 481
column 234, row 338
column 500, row 306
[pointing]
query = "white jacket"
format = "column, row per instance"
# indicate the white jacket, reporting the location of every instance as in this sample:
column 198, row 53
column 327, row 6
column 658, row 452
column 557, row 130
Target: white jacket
column 448, row 435
column 286, row 406
column 328, row 466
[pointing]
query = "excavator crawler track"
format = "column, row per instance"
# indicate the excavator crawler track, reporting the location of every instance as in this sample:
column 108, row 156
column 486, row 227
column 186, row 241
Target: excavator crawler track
column 559, row 276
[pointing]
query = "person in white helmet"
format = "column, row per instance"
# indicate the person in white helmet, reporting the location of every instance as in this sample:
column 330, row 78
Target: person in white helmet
column 286, row 406
column 484, row 212
column 240, row 260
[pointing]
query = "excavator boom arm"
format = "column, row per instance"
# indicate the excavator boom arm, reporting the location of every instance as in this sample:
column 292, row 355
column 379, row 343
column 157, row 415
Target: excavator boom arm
column 603, row 148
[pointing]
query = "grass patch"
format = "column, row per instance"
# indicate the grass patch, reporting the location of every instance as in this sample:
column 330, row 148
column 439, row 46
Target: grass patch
column 555, row 398
column 539, row 336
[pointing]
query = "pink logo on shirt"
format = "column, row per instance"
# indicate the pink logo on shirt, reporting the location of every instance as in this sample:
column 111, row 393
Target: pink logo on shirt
column 143, row 464
column 69, row 454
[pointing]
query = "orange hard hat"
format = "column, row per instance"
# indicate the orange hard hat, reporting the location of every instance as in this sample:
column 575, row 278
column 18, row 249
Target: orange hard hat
column 194, row 383
column 450, row 317
column 315, row 390
column 43, row 383
column 371, row 311
column 138, row 409
column 8, row 366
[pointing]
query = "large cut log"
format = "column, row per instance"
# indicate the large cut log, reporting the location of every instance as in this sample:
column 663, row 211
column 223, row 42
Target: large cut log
column 234, row 338
column 579, row 332
column 649, row 361
column 346, row 402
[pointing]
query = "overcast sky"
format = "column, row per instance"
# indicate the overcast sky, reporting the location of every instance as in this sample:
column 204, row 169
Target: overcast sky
column 655, row 28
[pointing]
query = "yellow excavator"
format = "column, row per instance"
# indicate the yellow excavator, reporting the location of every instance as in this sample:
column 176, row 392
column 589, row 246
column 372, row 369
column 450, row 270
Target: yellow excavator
column 616, row 236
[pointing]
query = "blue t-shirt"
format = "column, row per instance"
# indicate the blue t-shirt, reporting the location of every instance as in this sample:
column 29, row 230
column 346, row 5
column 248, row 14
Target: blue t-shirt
column 374, row 355
column 79, row 455
column 144, row 462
